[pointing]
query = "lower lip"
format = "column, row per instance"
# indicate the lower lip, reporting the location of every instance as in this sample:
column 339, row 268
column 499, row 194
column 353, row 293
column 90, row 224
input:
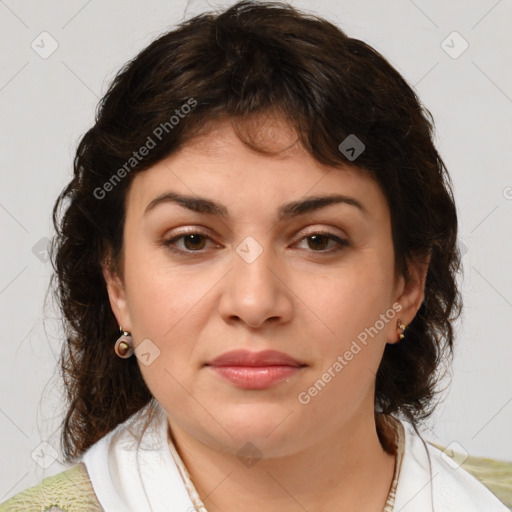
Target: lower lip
column 255, row 377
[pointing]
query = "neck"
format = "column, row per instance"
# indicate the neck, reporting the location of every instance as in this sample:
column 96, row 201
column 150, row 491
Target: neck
column 348, row 470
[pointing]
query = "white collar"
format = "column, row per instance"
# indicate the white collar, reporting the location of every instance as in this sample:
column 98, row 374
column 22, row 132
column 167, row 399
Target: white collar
column 129, row 477
column 430, row 481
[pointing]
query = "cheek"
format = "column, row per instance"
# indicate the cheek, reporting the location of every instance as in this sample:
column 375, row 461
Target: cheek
column 348, row 316
column 160, row 294
column 164, row 304
column 353, row 297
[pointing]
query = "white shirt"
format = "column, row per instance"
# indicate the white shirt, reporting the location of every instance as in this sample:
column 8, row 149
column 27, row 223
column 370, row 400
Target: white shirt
column 151, row 477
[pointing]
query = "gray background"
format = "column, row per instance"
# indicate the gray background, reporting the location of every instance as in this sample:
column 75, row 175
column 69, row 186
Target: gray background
column 47, row 104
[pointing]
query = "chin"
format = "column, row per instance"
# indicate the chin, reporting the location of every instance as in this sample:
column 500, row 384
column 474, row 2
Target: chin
column 267, row 426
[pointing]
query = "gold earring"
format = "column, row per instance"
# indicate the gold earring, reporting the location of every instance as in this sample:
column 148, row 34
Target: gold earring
column 402, row 327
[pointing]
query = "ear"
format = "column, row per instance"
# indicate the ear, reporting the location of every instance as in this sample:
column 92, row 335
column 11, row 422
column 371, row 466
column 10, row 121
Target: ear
column 410, row 295
column 117, row 295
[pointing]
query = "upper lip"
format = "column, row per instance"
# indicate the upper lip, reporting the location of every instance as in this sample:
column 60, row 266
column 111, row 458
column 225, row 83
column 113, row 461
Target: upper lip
column 248, row 358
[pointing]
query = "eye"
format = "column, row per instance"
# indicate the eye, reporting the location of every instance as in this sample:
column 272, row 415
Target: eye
column 193, row 241
column 319, row 242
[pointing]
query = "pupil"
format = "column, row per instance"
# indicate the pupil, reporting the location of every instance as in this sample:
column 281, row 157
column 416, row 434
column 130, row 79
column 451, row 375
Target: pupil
column 316, row 239
column 197, row 239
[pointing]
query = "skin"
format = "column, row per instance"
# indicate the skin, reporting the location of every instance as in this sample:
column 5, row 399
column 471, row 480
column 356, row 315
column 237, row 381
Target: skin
column 309, row 301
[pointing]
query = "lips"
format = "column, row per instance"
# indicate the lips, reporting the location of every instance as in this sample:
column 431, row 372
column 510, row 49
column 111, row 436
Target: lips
column 247, row 358
column 255, row 370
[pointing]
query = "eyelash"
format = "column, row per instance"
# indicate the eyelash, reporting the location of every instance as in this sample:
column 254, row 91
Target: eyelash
column 170, row 243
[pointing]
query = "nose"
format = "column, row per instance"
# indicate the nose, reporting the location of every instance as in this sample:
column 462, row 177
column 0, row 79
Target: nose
column 256, row 292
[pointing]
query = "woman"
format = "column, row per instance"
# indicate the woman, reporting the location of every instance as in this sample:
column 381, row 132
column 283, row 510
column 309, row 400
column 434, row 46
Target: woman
column 256, row 263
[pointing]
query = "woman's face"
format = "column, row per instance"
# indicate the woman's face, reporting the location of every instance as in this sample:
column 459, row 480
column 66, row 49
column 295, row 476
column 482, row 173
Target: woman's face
column 246, row 267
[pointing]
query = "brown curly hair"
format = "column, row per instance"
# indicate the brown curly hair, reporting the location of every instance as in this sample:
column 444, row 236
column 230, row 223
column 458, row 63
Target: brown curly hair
column 253, row 58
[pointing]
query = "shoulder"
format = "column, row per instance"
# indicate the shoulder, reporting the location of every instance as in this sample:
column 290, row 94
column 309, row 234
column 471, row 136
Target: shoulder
column 494, row 474
column 67, row 491
column 439, row 478
column 482, row 477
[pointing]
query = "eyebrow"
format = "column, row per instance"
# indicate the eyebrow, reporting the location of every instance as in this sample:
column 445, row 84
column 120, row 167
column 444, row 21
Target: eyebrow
column 286, row 211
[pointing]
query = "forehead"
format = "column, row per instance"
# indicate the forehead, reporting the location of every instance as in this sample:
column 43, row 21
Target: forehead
column 218, row 165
